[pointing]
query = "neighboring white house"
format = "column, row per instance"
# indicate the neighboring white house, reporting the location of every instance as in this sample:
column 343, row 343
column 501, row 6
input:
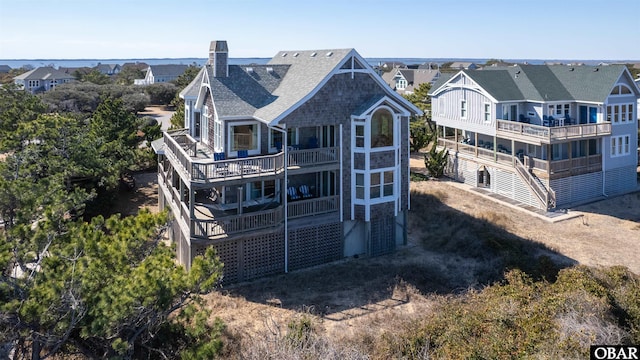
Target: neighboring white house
column 544, row 135
column 42, row 79
column 291, row 164
column 161, row 73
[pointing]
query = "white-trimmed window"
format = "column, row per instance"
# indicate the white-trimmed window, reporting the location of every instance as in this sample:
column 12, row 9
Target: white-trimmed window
column 620, row 145
column 204, row 124
column 401, row 84
column 359, row 136
column 618, row 114
column 559, row 109
column 382, row 125
column 487, row 112
column 381, row 184
column 621, row 89
column 34, row 83
column 217, row 135
column 360, row 186
column 463, row 109
column 244, row 136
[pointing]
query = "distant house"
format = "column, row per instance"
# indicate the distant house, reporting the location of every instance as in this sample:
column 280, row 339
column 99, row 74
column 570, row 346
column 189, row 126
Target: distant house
column 108, row 69
column 161, row 73
column 42, row 79
column 461, row 65
column 405, row 81
column 4, row 69
column 547, row 136
column 294, row 163
column 137, row 65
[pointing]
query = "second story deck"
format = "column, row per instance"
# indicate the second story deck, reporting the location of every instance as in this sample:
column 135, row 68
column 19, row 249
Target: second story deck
column 197, row 163
column 539, row 134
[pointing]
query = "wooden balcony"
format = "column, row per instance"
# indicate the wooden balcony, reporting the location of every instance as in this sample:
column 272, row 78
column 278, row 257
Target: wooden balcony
column 538, row 134
column 315, row 206
column 542, row 168
column 237, row 224
column 199, row 166
column 566, row 167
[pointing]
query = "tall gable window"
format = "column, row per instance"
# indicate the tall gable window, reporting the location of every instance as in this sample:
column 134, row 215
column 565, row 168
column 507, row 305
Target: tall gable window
column 381, row 128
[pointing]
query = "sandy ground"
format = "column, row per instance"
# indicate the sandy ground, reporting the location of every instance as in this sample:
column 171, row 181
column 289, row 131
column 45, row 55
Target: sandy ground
column 397, row 286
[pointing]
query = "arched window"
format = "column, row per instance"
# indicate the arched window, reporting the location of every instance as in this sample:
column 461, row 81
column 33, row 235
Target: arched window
column 382, row 128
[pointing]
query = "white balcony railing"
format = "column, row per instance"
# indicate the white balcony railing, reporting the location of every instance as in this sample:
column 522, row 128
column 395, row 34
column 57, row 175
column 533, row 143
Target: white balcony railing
column 557, row 133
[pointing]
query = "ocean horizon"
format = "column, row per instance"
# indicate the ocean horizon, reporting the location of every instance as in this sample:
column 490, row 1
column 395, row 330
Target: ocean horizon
column 57, row 63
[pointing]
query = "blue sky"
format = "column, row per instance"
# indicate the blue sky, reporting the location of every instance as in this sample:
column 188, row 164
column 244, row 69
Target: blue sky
column 503, row 29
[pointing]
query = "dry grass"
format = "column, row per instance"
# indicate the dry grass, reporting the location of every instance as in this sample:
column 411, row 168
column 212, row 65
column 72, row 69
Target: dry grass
column 457, row 241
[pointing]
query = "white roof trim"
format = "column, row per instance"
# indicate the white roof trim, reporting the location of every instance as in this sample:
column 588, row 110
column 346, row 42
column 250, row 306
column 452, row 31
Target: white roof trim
column 337, row 69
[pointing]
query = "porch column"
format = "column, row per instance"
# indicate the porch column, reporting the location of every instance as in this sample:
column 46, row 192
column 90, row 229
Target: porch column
column 495, row 148
column 513, row 150
column 475, row 142
column 239, row 192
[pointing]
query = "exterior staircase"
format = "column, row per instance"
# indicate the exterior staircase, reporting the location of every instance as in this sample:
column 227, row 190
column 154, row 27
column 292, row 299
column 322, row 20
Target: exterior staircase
column 547, row 197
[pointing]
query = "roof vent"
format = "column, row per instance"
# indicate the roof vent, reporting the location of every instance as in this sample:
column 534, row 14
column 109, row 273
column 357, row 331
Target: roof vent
column 269, row 69
column 571, row 69
column 295, row 55
column 284, row 54
column 596, row 69
column 313, row 54
column 249, row 69
column 329, row 53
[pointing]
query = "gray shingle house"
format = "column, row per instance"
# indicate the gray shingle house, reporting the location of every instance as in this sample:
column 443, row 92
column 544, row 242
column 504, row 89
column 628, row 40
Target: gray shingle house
column 42, row 79
column 108, row 69
column 161, row 73
column 405, row 81
column 302, row 161
column 545, row 135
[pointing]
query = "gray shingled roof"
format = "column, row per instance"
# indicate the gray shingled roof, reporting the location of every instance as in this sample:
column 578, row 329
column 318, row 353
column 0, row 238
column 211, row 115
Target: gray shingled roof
column 193, row 89
column 43, row 73
column 306, row 72
column 168, row 70
column 269, row 92
column 246, row 89
column 546, row 82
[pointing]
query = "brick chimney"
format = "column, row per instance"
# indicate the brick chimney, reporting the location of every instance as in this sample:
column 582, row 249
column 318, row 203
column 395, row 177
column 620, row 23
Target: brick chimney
column 219, row 58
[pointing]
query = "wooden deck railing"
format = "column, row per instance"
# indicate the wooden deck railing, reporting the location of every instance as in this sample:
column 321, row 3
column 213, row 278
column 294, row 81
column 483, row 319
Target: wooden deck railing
column 557, row 133
column 237, row 224
column 313, row 156
column 183, row 149
column 582, row 164
column 237, row 168
column 315, row 206
column 588, row 163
